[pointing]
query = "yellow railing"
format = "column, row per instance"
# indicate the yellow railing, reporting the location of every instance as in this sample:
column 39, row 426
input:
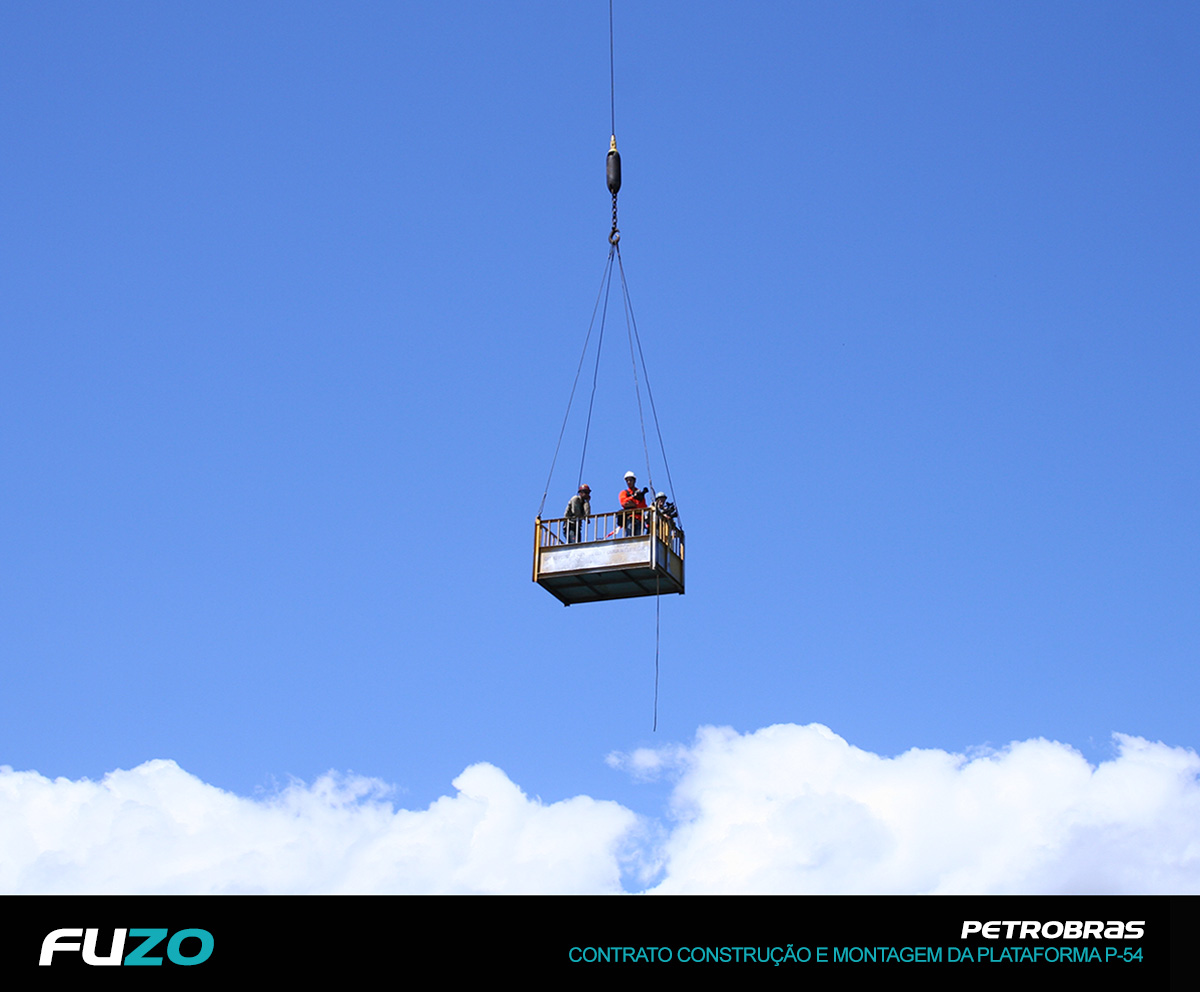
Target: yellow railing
column 613, row 526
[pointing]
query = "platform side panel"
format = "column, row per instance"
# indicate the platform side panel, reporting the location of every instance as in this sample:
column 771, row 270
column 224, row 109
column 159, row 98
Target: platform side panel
column 669, row 562
column 595, row 557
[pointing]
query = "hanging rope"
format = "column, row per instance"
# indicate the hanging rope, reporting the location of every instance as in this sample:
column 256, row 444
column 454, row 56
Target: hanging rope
column 657, row 607
column 612, row 75
column 613, row 175
column 646, row 374
column 604, row 282
column 636, row 355
column 596, row 371
column 633, row 361
column 632, row 320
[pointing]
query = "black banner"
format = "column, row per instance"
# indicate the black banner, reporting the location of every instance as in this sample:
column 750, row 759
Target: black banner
column 1107, row 942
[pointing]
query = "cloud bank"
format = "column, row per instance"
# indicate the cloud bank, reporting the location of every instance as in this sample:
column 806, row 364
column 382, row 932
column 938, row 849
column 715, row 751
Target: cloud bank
column 798, row 809
column 786, row 809
column 158, row 829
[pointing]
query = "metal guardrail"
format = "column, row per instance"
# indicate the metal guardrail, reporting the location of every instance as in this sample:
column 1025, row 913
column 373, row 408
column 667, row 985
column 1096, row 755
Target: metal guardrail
column 614, row 526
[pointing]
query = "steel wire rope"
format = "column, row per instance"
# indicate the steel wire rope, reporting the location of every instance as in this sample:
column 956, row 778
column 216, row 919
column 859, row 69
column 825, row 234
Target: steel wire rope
column 612, row 75
column 634, row 338
column 614, row 239
column 631, row 331
column 596, row 371
column 657, row 611
column 633, row 361
column 646, row 375
column 605, row 279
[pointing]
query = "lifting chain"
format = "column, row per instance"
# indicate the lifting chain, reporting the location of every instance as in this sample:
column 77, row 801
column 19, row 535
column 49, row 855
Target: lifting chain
column 612, row 174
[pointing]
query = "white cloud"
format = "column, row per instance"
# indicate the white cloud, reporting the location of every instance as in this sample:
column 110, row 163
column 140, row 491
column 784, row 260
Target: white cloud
column 798, row 809
column 156, row 828
column 783, row 809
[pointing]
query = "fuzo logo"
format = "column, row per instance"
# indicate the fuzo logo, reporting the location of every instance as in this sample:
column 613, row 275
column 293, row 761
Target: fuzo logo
column 177, row 951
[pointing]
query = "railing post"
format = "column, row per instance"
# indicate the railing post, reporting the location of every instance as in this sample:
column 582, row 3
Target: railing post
column 537, row 547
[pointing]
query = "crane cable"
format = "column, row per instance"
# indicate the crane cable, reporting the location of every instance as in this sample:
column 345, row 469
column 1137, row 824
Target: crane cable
column 636, row 338
column 587, row 430
column 604, row 280
column 613, row 175
column 613, row 178
column 614, row 157
column 636, row 355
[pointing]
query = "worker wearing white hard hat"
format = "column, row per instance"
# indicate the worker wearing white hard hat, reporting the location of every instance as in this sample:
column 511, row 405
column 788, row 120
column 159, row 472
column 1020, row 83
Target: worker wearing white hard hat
column 665, row 509
column 633, row 500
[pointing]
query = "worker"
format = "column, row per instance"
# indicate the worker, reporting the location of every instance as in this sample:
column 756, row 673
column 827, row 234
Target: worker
column 578, row 510
column 666, row 510
column 633, row 500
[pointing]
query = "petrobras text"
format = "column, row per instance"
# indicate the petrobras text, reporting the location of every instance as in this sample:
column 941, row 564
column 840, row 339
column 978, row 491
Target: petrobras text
column 1055, row 929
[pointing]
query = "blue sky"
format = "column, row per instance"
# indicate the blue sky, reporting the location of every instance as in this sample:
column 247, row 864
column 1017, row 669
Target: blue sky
column 291, row 300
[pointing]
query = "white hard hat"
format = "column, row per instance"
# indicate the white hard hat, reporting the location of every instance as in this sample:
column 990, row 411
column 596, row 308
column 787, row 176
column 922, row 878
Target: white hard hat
column 660, row 495
column 631, row 475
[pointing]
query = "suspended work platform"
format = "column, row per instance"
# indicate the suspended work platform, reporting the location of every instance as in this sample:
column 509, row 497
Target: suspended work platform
column 608, row 556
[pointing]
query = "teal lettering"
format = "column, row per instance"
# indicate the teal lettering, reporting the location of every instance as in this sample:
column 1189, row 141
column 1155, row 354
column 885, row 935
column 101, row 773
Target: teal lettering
column 138, row 954
column 178, row 957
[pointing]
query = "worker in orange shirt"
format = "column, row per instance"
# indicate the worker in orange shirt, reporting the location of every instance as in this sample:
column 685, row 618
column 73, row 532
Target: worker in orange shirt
column 633, row 500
